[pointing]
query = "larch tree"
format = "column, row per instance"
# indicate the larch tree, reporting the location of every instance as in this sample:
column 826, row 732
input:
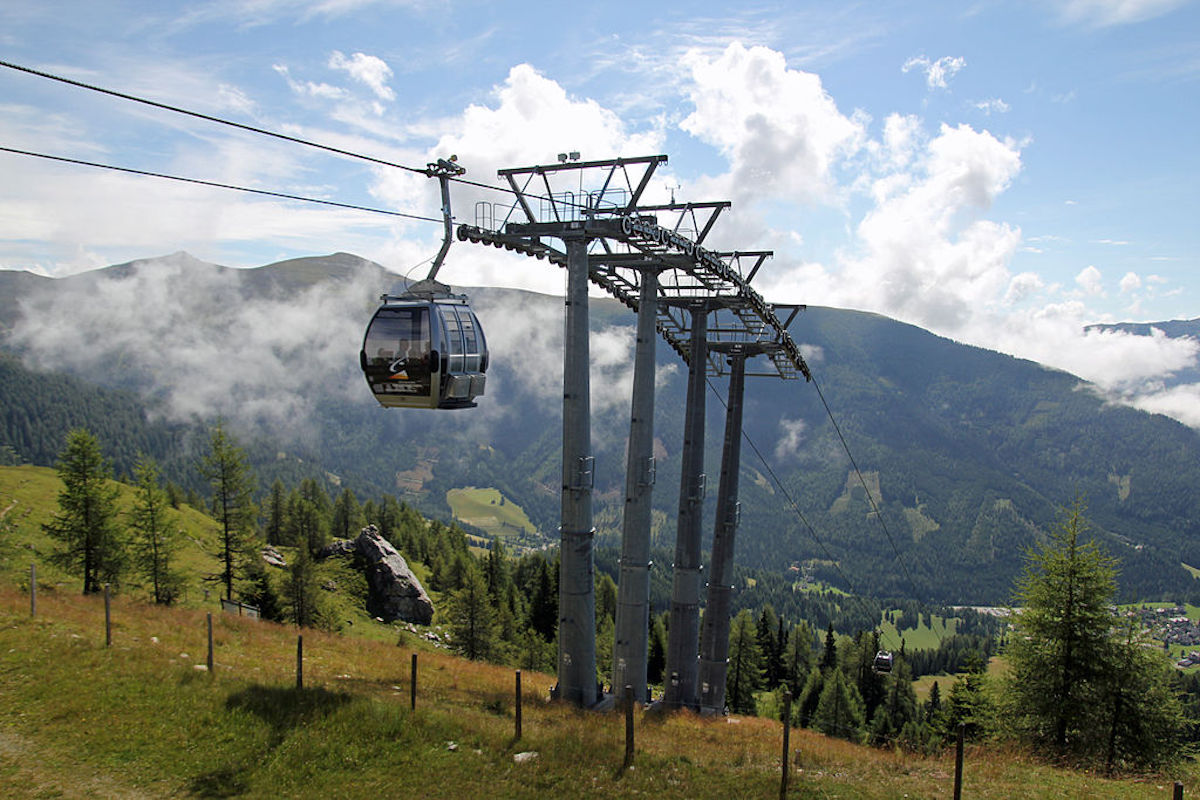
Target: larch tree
column 1082, row 681
column 232, row 484
column 1062, row 641
column 155, row 536
column 86, row 523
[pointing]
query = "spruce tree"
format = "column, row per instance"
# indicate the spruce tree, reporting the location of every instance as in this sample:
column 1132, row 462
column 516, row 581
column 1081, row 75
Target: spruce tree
column 472, row 617
column 302, row 591
column 840, row 709
column 276, row 513
column 797, row 660
column 829, row 654
column 346, row 519
column 656, row 652
column 745, row 673
column 86, row 523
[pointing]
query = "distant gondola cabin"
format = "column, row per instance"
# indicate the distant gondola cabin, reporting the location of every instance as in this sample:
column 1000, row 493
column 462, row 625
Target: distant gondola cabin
column 424, row 353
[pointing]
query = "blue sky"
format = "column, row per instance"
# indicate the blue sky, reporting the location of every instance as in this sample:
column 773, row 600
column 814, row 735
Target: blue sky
column 1001, row 173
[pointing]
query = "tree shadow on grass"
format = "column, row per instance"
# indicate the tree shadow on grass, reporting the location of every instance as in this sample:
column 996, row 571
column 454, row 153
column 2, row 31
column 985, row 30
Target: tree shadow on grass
column 281, row 709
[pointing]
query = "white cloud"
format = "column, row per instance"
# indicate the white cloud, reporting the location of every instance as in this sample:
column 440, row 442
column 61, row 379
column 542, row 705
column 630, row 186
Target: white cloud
column 201, row 347
column 937, row 73
column 1023, row 286
column 993, row 105
column 1130, row 282
column 924, row 253
column 778, row 128
column 530, row 121
column 791, row 437
column 1179, row 402
column 1090, row 281
column 1106, row 13
column 369, row 70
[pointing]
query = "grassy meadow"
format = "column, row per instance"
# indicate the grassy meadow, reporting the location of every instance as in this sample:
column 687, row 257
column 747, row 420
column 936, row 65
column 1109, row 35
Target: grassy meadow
column 490, row 511
column 144, row 718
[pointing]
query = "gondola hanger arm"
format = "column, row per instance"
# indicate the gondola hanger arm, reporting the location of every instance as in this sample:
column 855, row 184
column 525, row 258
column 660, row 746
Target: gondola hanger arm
column 443, row 169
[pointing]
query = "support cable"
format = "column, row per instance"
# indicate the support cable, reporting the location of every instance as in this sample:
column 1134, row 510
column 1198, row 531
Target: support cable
column 874, row 506
column 146, row 173
column 245, row 127
column 207, row 117
column 791, row 501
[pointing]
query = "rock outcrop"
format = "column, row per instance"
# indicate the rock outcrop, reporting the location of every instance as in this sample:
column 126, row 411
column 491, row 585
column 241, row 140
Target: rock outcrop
column 395, row 591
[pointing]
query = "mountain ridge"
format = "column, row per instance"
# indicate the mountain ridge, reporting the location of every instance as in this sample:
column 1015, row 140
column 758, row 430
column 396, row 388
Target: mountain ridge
column 972, row 452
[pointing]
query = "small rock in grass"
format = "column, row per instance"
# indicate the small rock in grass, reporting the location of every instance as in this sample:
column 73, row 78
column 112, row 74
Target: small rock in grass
column 452, row 747
column 528, row 755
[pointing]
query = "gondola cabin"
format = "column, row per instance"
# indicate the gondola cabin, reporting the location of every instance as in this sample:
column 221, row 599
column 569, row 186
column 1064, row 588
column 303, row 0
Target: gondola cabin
column 883, row 662
column 424, row 352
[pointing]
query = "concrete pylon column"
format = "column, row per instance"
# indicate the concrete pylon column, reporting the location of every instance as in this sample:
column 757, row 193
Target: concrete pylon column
column 633, row 588
column 576, row 583
column 683, row 638
column 714, row 637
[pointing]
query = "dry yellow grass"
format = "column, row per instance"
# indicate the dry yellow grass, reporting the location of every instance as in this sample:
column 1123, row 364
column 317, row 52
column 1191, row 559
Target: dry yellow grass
column 78, row 719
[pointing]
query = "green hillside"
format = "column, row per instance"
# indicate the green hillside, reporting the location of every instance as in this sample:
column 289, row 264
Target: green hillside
column 969, row 454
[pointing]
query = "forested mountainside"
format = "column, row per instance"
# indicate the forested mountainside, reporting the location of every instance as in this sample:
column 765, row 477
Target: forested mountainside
column 968, row 453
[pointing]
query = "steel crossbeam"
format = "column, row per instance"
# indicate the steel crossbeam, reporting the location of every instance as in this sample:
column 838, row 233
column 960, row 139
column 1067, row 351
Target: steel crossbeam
column 625, row 238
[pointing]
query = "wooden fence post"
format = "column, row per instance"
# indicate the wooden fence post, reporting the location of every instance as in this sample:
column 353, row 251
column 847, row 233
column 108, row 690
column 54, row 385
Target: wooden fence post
column 1178, row 790
column 787, row 733
column 209, row 662
column 958, row 761
column 33, row 590
column 300, row 661
column 518, row 706
column 413, row 684
column 629, row 748
column 107, row 618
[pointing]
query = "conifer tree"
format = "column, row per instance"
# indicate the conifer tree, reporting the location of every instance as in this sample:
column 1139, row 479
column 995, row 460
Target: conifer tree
column 302, row 591
column 656, row 652
column 276, row 509
column 1144, row 718
column 745, row 675
column 472, row 617
column 156, row 539
column 346, row 518
column 232, row 484
column 86, row 523
column 769, row 646
column 969, row 703
column 1082, row 682
column 829, row 654
column 797, row 660
column 840, row 709
column 810, row 697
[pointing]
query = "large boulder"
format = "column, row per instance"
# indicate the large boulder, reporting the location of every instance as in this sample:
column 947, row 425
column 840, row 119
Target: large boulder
column 395, row 591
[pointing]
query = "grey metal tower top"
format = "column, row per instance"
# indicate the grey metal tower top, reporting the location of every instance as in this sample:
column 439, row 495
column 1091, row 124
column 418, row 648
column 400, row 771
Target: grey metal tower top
column 599, row 201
